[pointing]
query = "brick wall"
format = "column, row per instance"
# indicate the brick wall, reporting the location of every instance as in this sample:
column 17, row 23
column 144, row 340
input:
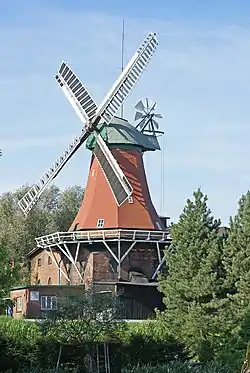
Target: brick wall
column 44, row 271
column 98, row 265
column 17, row 296
column 101, row 266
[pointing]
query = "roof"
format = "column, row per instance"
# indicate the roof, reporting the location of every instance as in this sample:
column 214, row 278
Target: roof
column 120, row 133
column 22, row 287
column 124, row 283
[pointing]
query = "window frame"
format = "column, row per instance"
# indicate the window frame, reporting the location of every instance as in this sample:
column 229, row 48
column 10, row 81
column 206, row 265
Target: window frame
column 19, row 306
column 39, row 262
column 45, row 298
column 100, row 223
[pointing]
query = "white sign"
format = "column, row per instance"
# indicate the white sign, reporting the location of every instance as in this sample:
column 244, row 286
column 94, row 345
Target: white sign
column 34, row 295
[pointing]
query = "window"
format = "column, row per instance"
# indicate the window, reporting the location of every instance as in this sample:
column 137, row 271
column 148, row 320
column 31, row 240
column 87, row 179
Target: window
column 19, row 304
column 49, row 281
column 39, row 262
column 130, row 199
column 49, row 260
column 34, row 296
column 100, row 223
column 48, row 302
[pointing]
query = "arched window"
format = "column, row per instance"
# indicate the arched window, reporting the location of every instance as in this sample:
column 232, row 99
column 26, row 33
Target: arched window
column 49, row 260
column 49, row 281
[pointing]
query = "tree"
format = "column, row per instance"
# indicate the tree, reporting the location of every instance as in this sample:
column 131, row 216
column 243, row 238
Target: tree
column 9, row 273
column 68, row 204
column 237, row 257
column 91, row 317
column 193, row 287
column 88, row 317
column 237, row 283
column 54, row 211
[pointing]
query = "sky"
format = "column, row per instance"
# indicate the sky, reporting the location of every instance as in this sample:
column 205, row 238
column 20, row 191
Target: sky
column 199, row 78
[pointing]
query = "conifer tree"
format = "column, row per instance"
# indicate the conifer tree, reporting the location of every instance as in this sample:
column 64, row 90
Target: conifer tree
column 193, row 285
column 237, row 262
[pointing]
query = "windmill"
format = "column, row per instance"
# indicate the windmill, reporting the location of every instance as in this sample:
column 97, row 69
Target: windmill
column 145, row 116
column 90, row 114
column 117, row 234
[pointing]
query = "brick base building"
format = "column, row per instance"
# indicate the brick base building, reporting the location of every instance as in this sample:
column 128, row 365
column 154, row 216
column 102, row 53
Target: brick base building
column 32, row 301
column 123, row 262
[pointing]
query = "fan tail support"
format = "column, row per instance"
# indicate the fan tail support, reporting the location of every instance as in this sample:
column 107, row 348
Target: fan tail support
column 144, row 117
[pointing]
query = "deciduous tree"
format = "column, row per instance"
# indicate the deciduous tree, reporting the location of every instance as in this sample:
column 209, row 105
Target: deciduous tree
column 54, row 212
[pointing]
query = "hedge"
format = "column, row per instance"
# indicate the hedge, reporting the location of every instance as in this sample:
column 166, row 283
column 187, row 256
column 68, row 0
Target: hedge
column 172, row 367
column 23, row 344
column 181, row 367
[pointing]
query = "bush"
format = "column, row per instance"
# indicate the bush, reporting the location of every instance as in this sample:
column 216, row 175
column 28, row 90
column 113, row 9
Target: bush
column 180, row 367
column 23, row 345
column 145, row 347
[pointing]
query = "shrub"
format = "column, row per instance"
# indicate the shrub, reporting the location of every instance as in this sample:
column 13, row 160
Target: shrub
column 180, row 367
column 23, row 344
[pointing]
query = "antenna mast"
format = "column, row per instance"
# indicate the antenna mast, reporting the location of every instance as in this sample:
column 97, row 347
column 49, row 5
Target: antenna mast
column 122, row 61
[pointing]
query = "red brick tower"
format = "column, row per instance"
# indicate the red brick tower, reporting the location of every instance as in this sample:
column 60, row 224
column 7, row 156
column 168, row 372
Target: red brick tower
column 99, row 208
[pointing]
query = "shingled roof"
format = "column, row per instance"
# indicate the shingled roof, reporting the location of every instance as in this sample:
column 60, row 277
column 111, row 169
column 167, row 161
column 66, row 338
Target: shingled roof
column 120, row 133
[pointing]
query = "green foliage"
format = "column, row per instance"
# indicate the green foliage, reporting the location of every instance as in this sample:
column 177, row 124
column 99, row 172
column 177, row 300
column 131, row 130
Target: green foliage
column 52, row 370
column 180, row 367
column 68, row 203
column 148, row 343
column 236, row 313
column 171, row 367
column 193, row 286
column 89, row 317
column 9, row 273
column 54, row 212
column 237, row 260
column 19, row 342
column 25, row 343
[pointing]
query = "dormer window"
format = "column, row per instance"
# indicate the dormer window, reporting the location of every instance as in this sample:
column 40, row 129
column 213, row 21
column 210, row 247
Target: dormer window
column 100, row 223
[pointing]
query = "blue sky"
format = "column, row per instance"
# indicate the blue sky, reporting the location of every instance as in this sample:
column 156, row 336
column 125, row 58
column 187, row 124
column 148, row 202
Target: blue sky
column 199, row 77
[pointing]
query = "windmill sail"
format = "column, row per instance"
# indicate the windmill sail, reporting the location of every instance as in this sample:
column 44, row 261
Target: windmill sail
column 118, row 182
column 130, row 75
column 31, row 197
column 88, row 112
column 76, row 93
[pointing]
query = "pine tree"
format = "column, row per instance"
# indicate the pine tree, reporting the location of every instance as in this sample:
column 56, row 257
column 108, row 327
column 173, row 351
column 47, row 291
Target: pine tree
column 237, row 263
column 193, row 286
